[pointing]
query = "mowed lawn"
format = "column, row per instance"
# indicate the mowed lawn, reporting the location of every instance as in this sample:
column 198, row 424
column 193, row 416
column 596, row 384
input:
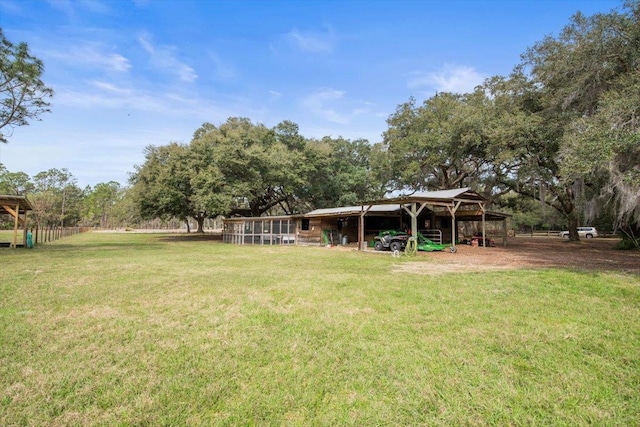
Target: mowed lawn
column 6, row 236
column 145, row 329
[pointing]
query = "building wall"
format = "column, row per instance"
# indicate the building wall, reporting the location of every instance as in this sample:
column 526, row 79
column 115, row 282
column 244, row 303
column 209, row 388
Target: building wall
column 310, row 230
column 332, row 231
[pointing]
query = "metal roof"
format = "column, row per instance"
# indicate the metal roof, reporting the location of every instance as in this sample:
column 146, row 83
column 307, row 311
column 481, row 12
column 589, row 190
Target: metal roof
column 351, row 210
column 258, row 218
column 442, row 197
column 446, row 194
column 392, row 204
column 12, row 201
column 438, row 197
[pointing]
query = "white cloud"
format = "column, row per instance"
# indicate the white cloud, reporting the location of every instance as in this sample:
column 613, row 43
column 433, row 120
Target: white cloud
column 118, row 62
column 339, row 111
column 110, row 87
column 322, row 103
column 313, row 42
column 164, row 57
column 11, row 7
column 274, row 97
column 222, row 69
column 450, row 78
column 109, row 96
column 63, row 5
column 93, row 55
column 99, row 95
column 69, row 7
column 94, row 6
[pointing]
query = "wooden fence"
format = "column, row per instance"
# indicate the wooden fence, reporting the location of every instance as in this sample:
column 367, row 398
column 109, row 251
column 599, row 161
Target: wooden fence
column 40, row 235
column 537, row 233
column 556, row 233
column 50, row 234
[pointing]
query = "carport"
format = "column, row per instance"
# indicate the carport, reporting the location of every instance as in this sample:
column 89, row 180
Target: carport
column 17, row 207
column 460, row 203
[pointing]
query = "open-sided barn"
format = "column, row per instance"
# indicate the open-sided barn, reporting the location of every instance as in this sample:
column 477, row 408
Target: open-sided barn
column 436, row 214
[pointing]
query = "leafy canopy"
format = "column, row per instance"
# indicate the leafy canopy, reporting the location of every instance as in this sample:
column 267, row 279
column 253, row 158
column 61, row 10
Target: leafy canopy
column 23, row 95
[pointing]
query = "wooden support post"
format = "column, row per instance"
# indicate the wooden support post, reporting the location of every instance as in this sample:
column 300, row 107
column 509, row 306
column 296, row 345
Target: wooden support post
column 452, row 211
column 361, row 229
column 484, row 234
column 414, row 220
column 26, row 229
column 414, row 214
column 363, row 212
column 504, row 231
column 453, row 229
column 15, row 226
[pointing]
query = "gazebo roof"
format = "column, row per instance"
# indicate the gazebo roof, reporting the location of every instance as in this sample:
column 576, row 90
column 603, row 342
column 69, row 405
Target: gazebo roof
column 9, row 201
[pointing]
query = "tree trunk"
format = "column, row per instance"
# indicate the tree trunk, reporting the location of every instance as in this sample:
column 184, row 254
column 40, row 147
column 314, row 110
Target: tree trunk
column 200, row 219
column 573, row 226
column 572, row 213
column 188, row 227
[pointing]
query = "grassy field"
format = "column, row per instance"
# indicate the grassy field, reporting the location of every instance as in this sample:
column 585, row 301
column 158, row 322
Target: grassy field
column 7, row 236
column 135, row 329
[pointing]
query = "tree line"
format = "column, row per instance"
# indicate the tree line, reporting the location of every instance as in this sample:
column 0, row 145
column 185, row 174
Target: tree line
column 556, row 142
column 58, row 200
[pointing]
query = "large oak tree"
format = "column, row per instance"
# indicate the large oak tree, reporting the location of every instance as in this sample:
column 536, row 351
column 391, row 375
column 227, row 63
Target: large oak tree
column 587, row 80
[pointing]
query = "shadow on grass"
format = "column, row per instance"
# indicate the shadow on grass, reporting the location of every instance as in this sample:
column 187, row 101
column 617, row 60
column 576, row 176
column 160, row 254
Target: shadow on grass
column 191, row 237
column 146, row 242
column 100, row 246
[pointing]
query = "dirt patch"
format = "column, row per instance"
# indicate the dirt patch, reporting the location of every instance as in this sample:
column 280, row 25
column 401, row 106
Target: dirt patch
column 523, row 252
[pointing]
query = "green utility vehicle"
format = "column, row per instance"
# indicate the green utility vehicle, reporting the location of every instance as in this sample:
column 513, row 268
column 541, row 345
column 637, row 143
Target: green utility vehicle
column 395, row 240
column 390, row 240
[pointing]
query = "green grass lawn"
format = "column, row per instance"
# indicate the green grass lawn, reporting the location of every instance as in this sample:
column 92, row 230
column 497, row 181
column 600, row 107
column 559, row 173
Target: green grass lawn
column 136, row 329
column 6, row 236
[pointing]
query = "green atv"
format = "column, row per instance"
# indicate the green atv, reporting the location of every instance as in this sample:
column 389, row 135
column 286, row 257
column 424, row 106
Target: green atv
column 390, row 240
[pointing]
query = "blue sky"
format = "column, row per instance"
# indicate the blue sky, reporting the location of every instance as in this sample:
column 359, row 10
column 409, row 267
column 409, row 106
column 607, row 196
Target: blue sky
column 132, row 73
